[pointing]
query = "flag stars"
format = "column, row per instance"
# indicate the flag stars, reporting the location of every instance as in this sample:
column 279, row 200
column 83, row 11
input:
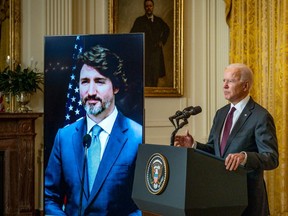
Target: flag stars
column 74, row 106
column 67, row 117
column 72, row 77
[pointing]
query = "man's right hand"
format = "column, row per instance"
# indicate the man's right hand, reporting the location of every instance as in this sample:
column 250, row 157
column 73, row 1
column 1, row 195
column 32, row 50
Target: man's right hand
column 185, row 140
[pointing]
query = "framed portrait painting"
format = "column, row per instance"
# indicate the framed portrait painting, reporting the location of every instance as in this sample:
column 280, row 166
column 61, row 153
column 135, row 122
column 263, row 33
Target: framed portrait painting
column 163, row 40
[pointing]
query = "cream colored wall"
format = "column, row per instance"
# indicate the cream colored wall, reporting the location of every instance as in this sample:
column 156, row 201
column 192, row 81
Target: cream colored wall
column 205, row 54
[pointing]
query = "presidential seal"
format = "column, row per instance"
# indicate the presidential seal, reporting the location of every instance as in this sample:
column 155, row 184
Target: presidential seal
column 156, row 174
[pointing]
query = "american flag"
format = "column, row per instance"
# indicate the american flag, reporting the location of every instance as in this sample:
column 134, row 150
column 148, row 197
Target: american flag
column 74, row 108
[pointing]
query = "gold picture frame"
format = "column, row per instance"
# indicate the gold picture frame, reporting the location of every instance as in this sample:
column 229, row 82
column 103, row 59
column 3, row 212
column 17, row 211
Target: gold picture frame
column 12, row 33
column 121, row 16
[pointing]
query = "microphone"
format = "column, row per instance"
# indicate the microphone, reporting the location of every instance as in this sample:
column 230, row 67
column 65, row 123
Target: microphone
column 86, row 143
column 177, row 113
column 87, row 140
column 187, row 112
column 171, row 118
column 188, row 108
column 182, row 115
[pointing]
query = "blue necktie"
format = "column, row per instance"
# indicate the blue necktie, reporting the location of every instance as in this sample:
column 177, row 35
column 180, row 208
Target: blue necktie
column 94, row 155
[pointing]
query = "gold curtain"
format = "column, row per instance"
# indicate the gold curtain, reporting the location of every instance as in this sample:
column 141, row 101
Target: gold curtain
column 259, row 38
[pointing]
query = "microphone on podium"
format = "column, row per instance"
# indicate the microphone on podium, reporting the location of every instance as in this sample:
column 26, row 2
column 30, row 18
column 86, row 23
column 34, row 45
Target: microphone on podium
column 187, row 112
column 183, row 116
column 177, row 113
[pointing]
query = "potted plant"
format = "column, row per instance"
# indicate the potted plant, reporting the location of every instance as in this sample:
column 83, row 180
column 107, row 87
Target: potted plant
column 26, row 80
column 5, row 81
column 21, row 83
column 6, row 90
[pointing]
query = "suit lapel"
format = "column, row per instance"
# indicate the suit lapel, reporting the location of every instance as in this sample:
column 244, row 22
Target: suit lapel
column 77, row 140
column 114, row 146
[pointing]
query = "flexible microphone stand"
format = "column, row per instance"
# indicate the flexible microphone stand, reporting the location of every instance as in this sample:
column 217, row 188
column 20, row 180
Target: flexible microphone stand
column 182, row 116
column 177, row 127
column 86, row 142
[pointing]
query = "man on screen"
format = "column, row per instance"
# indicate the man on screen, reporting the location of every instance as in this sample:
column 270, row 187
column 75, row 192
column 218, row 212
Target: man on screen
column 107, row 191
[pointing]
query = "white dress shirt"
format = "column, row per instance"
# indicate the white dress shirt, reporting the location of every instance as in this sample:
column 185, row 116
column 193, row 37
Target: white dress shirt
column 106, row 125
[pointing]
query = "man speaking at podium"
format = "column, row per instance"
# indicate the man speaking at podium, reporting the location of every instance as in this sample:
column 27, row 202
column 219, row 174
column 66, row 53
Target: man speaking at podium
column 243, row 133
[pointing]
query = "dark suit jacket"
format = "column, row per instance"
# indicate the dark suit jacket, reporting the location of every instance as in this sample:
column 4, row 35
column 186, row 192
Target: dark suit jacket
column 254, row 133
column 156, row 32
column 111, row 193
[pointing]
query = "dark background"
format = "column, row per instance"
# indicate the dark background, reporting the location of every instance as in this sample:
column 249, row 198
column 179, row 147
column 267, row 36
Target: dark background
column 58, row 62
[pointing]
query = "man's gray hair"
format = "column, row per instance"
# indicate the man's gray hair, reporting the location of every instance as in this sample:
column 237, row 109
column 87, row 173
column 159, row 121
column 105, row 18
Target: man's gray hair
column 246, row 72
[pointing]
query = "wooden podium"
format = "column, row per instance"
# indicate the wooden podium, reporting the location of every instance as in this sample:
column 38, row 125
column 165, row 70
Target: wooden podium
column 17, row 133
column 196, row 183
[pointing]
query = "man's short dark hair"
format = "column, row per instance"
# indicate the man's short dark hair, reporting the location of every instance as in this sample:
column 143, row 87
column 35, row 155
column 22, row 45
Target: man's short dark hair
column 146, row 1
column 107, row 64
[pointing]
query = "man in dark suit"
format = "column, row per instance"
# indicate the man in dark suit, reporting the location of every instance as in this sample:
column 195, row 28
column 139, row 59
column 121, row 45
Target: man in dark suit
column 109, row 192
column 156, row 35
column 252, row 141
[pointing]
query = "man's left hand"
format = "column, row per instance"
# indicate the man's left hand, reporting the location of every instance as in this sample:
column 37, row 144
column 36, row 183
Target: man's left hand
column 233, row 161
